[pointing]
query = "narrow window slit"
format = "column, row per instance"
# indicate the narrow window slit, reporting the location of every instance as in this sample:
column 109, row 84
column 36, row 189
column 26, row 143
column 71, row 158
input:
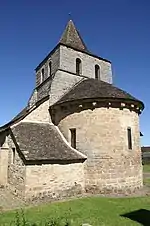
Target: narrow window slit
column 78, row 66
column 73, row 137
column 42, row 75
column 129, row 138
column 13, row 155
column 50, row 68
column 97, row 72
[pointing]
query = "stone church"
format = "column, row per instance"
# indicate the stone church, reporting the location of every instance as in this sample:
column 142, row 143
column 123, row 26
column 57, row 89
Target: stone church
column 78, row 132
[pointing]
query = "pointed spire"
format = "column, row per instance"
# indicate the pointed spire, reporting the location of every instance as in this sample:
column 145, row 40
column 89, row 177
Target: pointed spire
column 72, row 38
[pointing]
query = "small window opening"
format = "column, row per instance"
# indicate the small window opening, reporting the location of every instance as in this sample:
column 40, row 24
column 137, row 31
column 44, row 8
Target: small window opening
column 13, row 155
column 42, row 75
column 50, row 68
column 73, row 137
column 97, row 71
column 129, row 138
column 78, row 66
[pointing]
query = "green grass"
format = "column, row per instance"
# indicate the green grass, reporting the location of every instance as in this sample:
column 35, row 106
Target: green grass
column 96, row 211
column 146, row 181
column 146, row 168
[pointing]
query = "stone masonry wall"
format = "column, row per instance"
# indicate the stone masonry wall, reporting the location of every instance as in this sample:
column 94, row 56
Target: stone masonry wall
column 54, row 180
column 44, row 89
column 16, row 171
column 40, row 114
column 3, row 166
column 54, row 58
column 61, row 84
column 102, row 137
column 68, row 63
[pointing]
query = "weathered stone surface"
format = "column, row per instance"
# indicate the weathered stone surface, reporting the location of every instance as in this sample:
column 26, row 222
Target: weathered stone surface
column 44, row 89
column 4, row 166
column 55, row 181
column 102, row 137
column 61, row 84
column 40, row 114
column 64, row 72
column 16, row 172
column 68, row 63
column 54, row 58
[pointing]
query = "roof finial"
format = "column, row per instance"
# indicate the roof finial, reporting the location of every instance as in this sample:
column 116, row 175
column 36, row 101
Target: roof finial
column 70, row 16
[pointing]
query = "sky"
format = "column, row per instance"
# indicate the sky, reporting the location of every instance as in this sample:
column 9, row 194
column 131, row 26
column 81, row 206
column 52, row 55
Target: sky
column 117, row 30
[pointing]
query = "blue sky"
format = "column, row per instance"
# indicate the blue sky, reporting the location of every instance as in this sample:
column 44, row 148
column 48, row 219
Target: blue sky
column 117, row 30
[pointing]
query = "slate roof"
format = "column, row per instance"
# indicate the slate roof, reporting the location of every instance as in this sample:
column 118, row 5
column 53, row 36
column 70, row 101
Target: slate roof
column 41, row 141
column 72, row 38
column 92, row 88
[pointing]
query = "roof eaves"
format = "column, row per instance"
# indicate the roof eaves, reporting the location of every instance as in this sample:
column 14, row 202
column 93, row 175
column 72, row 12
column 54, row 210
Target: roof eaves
column 52, row 161
column 98, row 99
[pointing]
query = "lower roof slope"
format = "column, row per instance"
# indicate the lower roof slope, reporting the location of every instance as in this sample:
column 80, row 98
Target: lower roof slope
column 41, row 141
column 93, row 88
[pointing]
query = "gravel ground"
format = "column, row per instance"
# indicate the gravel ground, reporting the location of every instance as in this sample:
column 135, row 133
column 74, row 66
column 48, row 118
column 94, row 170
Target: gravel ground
column 9, row 201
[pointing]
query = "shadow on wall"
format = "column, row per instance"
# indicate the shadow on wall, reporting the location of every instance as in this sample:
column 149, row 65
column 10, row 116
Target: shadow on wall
column 141, row 216
column 2, row 139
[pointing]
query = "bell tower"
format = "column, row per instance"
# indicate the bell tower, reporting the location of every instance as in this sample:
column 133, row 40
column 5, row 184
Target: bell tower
column 66, row 65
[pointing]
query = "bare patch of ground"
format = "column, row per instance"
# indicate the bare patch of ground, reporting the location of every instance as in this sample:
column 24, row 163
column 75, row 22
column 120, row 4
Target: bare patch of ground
column 9, row 201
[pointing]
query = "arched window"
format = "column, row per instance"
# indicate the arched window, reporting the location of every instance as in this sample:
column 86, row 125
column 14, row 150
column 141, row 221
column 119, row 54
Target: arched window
column 78, row 66
column 97, row 71
column 42, row 75
column 50, row 68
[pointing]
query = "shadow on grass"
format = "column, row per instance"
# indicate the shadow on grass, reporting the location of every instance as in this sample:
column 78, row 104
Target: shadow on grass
column 141, row 216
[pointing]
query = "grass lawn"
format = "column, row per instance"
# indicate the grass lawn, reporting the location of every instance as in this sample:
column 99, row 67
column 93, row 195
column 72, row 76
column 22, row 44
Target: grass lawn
column 146, row 168
column 97, row 211
column 146, row 181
